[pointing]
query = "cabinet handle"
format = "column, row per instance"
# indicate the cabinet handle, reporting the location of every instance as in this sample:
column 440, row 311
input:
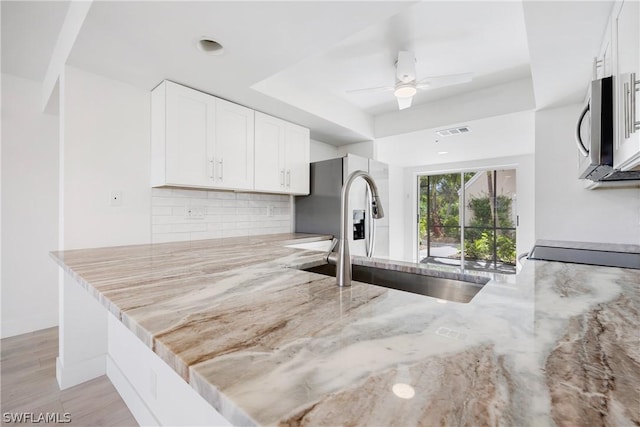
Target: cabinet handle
column 221, row 169
column 212, row 167
column 635, row 87
column 289, row 178
column 597, row 63
column 282, row 178
column 627, row 107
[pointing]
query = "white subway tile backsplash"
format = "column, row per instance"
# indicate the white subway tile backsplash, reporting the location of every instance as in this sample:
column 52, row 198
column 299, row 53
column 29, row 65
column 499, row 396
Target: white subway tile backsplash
column 184, row 228
column 224, row 195
column 170, row 237
column 161, row 228
column 161, row 210
column 235, row 233
column 215, row 226
column 227, row 214
column 201, row 235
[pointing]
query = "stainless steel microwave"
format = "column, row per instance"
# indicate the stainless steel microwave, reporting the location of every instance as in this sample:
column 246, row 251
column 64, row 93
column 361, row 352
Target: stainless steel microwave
column 594, row 132
column 595, row 136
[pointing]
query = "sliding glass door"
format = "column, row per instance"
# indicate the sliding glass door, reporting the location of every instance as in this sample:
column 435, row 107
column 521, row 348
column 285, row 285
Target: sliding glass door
column 468, row 219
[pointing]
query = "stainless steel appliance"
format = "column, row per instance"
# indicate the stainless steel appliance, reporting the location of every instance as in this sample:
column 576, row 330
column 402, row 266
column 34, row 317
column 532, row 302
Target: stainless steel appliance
column 608, row 255
column 319, row 212
column 595, row 136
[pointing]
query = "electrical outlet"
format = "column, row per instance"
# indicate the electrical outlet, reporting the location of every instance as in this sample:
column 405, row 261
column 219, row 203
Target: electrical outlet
column 194, row 212
column 115, row 198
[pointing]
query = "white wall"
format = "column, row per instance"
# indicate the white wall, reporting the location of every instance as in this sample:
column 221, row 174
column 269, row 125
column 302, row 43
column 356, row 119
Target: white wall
column 29, row 209
column 105, row 145
column 106, row 148
column 565, row 210
column 322, row 151
column 365, row 149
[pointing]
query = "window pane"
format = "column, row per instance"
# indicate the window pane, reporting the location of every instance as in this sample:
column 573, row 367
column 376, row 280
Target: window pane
column 444, row 245
column 506, row 198
column 444, row 195
column 479, row 201
column 478, row 247
column 506, row 247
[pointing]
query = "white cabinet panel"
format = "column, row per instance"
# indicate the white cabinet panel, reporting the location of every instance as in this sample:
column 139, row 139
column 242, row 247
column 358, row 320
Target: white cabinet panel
column 282, row 156
column 189, row 136
column 199, row 140
column 626, row 23
column 202, row 141
column 269, row 153
column 603, row 64
column 297, row 146
column 233, row 150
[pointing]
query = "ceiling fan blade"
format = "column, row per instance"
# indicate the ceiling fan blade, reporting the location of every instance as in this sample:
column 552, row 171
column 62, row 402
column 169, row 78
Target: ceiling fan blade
column 447, row 80
column 372, row 89
column 406, row 66
column 404, row 103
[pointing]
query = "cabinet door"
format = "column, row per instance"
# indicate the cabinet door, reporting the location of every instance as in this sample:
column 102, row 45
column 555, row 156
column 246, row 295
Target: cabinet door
column 626, row 23
column 603, row 66
column 297, row 146
column 234, row 146
column 269, row 153
column 190, row 136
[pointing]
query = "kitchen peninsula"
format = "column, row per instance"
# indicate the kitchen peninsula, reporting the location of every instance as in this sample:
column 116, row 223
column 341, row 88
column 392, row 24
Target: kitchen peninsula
column 265, row 343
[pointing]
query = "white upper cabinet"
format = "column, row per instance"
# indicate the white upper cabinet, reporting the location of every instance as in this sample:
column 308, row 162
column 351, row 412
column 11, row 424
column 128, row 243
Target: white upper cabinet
column 603, row 63
column 233, row 151
column 626, row 32
column 270, row 171
column 183, row 134
column 282, row 156
column 297, row 147
column 202, row 141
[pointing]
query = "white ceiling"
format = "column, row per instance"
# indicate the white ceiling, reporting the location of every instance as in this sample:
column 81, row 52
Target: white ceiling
column 142, row 43
column 490, row 138
column 484, row 38
column 29, row 33
column 296, row 59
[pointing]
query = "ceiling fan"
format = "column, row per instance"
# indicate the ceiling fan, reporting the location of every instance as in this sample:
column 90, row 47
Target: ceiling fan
column 406, row 83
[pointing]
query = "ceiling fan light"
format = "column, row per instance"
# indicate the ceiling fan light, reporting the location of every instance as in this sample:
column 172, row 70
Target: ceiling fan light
column 405, row 91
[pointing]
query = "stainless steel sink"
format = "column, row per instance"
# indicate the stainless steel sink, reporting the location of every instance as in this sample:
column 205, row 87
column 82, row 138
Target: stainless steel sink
column 436, row 287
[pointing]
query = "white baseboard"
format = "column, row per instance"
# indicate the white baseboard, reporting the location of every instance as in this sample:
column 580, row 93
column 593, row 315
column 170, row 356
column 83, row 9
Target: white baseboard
column 130, row 396
column 13, row 327
column 80, row 372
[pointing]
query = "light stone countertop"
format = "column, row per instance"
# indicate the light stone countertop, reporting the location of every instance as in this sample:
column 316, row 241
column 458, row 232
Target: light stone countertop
column 268, row 344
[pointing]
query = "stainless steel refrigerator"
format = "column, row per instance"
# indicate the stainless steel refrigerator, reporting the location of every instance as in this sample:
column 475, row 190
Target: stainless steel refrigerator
column 319, row 212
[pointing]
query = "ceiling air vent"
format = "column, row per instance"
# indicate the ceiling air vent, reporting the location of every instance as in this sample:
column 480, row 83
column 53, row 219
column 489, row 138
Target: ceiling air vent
column 453, row 131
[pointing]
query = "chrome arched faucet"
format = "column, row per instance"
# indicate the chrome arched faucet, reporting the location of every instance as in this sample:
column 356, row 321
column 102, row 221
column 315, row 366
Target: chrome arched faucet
column 343, row 271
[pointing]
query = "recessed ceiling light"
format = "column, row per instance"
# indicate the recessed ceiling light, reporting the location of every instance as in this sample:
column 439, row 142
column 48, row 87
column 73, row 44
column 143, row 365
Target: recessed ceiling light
column 210, row 46
column 443, row 152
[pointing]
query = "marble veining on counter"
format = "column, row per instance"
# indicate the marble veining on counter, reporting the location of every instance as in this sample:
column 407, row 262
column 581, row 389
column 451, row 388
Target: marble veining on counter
column 267, row 344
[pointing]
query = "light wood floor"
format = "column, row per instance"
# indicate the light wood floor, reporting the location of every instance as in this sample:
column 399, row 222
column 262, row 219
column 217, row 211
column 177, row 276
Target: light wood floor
column 28, row 384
